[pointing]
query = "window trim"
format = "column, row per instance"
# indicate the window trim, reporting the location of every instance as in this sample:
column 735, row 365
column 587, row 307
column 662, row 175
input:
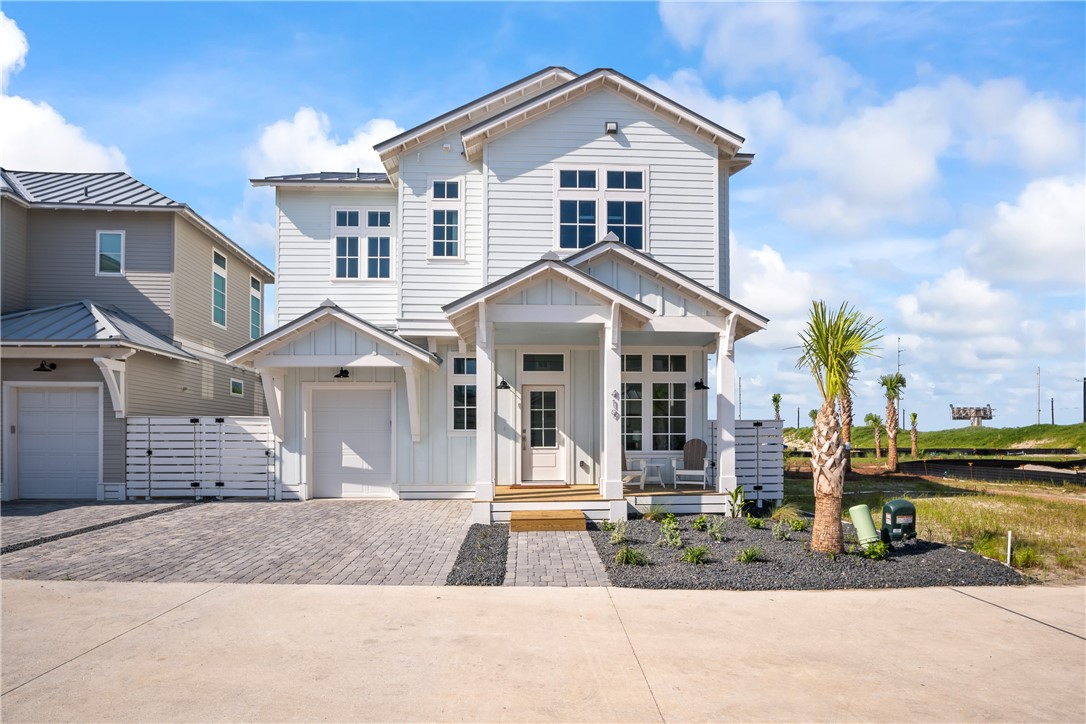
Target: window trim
column 455, row 379
column 258, row 295
column 238, row 382
column 98, row 253
column 456, row 205
column 364, row 232
column 647, row 378
column 601, row 195
column 224, row 272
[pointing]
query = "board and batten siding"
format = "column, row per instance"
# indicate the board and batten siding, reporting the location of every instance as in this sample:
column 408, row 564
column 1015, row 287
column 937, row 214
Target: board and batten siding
column 162, row 387
column 62, row 264
column 682, row 178
column 13, row 251
column 430, row 283
column 305, row 255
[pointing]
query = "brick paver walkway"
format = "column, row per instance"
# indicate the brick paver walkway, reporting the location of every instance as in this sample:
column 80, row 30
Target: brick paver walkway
column 334, row 541
column 25, row 520
column 553, row 558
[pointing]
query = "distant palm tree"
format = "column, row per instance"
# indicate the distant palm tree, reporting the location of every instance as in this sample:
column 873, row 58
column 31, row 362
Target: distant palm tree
column 876, row 422
column 831, row 343
column 892, row 385
column 776, row 398
column 913, row 435
column 813, row 414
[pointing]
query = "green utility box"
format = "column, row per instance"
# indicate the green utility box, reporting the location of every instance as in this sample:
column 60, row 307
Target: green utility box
column 898, row 520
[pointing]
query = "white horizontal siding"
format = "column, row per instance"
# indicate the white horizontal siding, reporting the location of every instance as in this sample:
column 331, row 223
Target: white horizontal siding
column 305, row 253
column 682, row 223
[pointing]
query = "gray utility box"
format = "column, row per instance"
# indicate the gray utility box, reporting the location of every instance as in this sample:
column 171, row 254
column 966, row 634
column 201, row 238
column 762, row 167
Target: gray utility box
column 898, row 521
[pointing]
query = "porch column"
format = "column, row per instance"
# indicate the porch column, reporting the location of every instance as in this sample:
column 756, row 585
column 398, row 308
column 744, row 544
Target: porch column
column 611, row 434
column 484, row 401
column 725, row 408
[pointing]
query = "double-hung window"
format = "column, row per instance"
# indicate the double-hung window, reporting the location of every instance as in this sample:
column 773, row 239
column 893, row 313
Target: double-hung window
column 218, row 288
column 654, row 402
column 593, row 202
column 362, row 244
column 110, row 256
column 462, row 394
column 347, row 234
column 256, row 311
column 445, row 219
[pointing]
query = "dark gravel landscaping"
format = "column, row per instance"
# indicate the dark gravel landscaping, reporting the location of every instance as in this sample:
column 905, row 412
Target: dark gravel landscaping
column 482, row 556
column 789, row 564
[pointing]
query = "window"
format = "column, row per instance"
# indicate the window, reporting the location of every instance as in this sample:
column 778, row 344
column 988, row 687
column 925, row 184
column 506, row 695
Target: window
column 256, row 316
column 237, row 388
column 379, row 258
column 669, row 363
column 543, row 363
column 347, row 246
column 668, row 415
column 632, row 434
column 110, row 253
column 631, row 363
column 588, row 210
column 218, row 288
column 445, row 220
column 463, row 394
column 363, row 244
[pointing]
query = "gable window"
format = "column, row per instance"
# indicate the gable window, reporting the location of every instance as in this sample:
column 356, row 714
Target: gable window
column 256, row 316
column 110, row 254
column 463, row 418
column 595, row 202
column 445, row 212
column 218, row 288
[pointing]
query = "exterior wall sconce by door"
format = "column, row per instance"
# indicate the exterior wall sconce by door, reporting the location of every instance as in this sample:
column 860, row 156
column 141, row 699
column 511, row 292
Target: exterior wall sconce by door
column 343, row 374
column 46, row 366
column 700, row 385
column 503, row 385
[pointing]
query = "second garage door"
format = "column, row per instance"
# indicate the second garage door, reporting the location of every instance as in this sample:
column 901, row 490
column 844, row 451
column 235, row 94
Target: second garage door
column 59, row 446
column 352, row 443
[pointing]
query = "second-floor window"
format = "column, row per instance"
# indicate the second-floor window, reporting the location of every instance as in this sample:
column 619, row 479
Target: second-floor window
column 256, row 315
column 218, row 288
column 594, row 202
column 362, row 244
column 110, row 257
column 445, row 219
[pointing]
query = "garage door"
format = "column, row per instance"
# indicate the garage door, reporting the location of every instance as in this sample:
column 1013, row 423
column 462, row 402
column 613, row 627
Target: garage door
column 352, row 443
column 58, row 442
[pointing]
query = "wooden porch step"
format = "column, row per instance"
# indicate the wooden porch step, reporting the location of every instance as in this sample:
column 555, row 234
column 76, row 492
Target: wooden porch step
column 526, row 520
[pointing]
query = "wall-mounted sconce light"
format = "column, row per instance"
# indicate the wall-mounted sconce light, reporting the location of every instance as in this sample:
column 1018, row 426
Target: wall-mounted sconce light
column 503, row 385
column 610, row 127
column 343, row 374
column 46, row 366
column 700, row 385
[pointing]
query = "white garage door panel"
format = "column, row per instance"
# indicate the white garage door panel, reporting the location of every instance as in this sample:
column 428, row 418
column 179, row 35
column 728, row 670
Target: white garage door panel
column 58, row 443
column 352, row 443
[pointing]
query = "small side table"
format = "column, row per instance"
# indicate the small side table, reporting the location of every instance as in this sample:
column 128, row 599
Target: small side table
column 654, row 473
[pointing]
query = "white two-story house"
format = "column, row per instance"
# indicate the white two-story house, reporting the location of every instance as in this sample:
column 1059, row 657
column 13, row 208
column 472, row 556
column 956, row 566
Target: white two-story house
column 527, row 296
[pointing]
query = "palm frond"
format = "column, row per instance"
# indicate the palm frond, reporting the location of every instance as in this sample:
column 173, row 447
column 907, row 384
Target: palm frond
column 833, row 342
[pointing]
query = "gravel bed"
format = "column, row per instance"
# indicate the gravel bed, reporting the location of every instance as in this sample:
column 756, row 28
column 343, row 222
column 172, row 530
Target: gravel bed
column 481, row 560
column 789, row 564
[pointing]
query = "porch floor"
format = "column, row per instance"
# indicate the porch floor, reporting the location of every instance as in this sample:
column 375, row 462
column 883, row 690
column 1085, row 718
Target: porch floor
column 574, row 493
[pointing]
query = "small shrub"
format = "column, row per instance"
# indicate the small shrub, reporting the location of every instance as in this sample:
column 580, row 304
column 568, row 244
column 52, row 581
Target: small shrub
column 750, row 554
column 876, row 551
column 715, row 529
column 607, row 525
column 670, row 536
column 696, row 555
column 756, row 523
column 799, row 525
column 701, row 522
column 786, row 511
column 781, row 531
column 618, row 533
column 628, row 556
column 1026, row 557
column 736, row 501
column 655, row 512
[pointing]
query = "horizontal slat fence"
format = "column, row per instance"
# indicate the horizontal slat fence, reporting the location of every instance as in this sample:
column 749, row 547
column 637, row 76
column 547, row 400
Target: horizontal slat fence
column 759, row 459
column 200, row 457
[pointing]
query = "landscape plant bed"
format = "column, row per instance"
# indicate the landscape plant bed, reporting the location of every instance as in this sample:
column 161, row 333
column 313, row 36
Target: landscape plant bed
column 482, row 556
column 788, row 564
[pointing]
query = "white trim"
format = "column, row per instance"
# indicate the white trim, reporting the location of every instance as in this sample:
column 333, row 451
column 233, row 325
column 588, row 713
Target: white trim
column 10, row 484
column 456, row 205
column 562, row 441
column 307, row 482
column 224, row 272
column 562, row 379
column 453, row 379
column 98, row 253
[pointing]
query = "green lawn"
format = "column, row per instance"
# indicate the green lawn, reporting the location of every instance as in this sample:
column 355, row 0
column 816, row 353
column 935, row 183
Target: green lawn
column 1061, row 436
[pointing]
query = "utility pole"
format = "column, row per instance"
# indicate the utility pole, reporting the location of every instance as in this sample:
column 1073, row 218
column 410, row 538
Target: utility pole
column 1038, row 394
column 1052, row 403
column 1083, row 398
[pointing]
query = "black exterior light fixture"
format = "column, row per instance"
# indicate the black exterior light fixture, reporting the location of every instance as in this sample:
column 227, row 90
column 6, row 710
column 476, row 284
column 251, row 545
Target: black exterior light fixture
column 503, row 385
column 46, row 366
column 343, row 374
column 700, row 385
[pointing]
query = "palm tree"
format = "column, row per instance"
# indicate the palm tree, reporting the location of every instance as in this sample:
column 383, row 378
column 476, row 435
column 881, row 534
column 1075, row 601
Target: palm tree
column 776, row 398
column 876, row 422
column 846, row 426
column 831, row 343
column 813, row 414
column 913, row 436
column 892, row 384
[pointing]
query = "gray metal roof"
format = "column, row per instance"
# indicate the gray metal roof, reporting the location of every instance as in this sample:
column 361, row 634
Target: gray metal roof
column 327, row 177
column 83, row 322
column 85, row 189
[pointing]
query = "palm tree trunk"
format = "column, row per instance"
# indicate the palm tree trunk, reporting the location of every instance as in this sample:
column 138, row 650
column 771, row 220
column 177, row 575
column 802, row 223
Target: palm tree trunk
column 891, row 434
column 913, row 439
column 846, row 427
column 827, row 465
column 878, row 442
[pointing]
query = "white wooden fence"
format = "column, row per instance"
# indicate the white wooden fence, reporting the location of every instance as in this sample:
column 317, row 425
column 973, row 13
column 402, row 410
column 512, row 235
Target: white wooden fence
column 759, row 459
column 200, row 457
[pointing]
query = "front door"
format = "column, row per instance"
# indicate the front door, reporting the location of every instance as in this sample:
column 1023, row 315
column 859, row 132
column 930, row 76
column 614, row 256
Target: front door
column 542, row 435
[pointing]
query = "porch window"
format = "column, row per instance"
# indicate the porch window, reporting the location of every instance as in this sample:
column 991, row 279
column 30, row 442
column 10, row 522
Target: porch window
column 544, row 363
column 631, row 363
column 632, row 422
column 668, row 415
column 669, row 363
column 462, row 395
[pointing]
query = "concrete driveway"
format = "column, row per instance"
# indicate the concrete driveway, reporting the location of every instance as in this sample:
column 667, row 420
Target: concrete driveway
column 334, row 541
column 84, row 651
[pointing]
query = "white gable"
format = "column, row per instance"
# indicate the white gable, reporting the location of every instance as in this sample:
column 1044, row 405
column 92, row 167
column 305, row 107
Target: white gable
column 646, row 288
column 334, row 338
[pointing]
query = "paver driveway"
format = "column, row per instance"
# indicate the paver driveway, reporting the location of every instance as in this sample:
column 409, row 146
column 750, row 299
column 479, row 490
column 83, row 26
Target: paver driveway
column 334, row 541
column 22, row 521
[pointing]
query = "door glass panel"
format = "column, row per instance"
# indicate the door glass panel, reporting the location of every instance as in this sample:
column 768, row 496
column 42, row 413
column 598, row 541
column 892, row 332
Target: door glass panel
column 543, row 418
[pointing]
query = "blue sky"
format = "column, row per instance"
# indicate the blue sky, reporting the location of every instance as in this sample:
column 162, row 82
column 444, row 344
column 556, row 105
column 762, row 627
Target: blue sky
column 923, row 161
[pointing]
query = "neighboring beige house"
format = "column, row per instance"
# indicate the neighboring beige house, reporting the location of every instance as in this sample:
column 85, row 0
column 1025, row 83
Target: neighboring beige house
column 117, row 301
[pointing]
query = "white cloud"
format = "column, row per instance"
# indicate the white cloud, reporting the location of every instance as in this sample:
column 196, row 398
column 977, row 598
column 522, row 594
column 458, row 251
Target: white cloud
column 304, row 144
column 957, row 305
column 765, row 284
column 13, row 50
